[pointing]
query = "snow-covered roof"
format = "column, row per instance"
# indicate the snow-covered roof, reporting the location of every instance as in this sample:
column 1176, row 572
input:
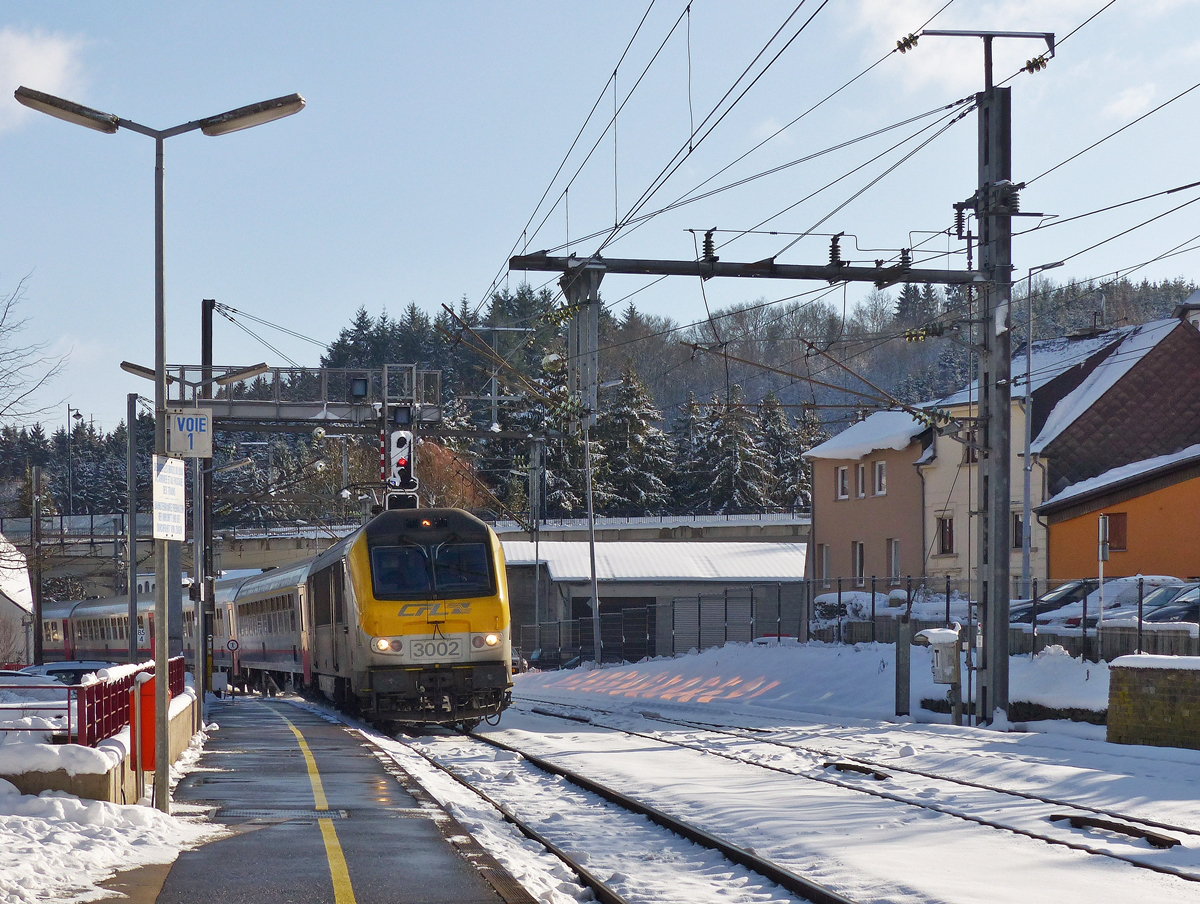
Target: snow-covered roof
column 14, row 575
column 1131, row 473
column 881, row 430
column 1050, row 358
column 1133, row 348
column 665, row 561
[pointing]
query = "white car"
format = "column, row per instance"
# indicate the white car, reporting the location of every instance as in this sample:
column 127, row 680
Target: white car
column 1120, row 599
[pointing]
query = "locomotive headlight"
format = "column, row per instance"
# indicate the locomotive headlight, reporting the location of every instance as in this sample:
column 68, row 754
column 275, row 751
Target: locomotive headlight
column 381, row 645
column 492, row 639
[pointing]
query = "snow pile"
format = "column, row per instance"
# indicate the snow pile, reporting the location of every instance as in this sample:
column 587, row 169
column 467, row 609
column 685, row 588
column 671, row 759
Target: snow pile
column 925, row 605
column 823, row 679
column 882, row 430
column 58, row 847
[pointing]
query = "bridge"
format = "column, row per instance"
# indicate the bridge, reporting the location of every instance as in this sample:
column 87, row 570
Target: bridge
column 93, row 549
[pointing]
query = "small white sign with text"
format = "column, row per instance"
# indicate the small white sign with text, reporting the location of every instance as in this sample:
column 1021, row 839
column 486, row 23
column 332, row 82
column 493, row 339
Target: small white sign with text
column 169, row 503
column 189, row 432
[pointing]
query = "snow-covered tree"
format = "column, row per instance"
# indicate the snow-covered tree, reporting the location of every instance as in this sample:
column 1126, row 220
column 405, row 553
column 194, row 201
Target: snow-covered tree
column 736, row 467
column 639, row 453
column 781, row 443
column 685, row 437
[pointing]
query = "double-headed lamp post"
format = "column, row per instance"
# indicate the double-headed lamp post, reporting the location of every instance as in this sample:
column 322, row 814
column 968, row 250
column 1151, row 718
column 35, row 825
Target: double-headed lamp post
column 221, row 124
column 1027, row 511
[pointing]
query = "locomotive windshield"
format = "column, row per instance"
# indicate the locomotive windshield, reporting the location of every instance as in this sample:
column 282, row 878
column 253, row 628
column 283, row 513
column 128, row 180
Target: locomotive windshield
column 449, row 569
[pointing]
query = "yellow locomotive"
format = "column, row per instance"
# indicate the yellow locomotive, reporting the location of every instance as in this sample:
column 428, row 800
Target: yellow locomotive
column 407, row 619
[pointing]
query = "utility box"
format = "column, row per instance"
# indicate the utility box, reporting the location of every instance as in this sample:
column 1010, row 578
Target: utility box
column 945, row 654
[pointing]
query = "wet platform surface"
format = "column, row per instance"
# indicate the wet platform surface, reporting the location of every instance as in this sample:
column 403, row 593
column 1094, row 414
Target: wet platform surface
column 317, row 817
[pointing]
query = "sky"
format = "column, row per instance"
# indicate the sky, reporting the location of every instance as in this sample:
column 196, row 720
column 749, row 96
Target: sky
column 432, row 131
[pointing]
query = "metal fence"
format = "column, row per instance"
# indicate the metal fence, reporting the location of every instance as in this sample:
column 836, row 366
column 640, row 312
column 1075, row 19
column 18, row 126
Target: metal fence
column 846, row 611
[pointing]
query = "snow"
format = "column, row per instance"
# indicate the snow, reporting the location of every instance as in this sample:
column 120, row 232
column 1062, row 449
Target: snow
column 1051, row 358
column 1123, row 473
column 14, row 576
column 656, row 561
column 940, row 635
column 881, row 430
column 825, row 679
column 1148, row 661
column 1118, row 363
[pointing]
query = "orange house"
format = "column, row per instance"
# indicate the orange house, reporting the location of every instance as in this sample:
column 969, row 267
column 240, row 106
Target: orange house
column 1153, row 509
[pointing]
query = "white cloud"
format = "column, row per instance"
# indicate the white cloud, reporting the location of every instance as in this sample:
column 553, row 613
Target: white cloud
column 47, row 62
column 1131, row 102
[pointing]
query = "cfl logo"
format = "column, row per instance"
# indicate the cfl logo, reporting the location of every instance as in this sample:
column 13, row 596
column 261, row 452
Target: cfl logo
column 433, row 610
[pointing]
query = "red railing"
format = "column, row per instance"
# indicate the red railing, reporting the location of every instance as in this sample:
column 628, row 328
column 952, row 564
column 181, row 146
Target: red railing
column 102, row 709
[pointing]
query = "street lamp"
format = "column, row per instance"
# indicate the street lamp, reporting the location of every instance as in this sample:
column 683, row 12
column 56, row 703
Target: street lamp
column 71, row 458
column 232, row 121
column 1027, row 511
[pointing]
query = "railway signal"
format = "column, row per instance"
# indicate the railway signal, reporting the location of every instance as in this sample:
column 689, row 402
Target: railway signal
column 403, row 459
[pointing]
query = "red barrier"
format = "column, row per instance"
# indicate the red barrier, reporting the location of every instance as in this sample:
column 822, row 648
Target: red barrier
column 142, row 697
column 103, row 708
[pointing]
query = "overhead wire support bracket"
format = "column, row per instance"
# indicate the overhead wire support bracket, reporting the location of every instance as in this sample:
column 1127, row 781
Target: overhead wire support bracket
column 768, row 268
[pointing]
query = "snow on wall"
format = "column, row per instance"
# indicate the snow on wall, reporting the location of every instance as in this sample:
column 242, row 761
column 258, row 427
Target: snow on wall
column 882, row 430
column 14, row 575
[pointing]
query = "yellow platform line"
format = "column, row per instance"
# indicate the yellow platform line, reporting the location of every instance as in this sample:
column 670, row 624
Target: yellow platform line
column 343, row 891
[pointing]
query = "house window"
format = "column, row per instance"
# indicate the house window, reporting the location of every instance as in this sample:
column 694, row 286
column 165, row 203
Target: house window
column 858, row 559
column 1018, row 531
column 881, row 478
column 860, row 481
column 843, row 482
column 945, row 530
column 893, row 560
column 823, row 563
column 1116, row 531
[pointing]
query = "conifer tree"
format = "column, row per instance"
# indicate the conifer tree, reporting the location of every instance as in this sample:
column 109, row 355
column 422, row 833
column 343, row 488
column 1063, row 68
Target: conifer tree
column 781, row 443
column 685, row 437
column 736, row 467
column 639, row 454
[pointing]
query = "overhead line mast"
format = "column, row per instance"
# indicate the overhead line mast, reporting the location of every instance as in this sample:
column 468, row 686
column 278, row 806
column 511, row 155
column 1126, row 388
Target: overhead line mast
column 994, row 203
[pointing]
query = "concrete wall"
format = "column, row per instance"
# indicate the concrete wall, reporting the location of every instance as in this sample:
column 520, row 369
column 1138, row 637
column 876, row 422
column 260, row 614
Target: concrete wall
column 868, row 519
column 119, row 784
column 1157, row 707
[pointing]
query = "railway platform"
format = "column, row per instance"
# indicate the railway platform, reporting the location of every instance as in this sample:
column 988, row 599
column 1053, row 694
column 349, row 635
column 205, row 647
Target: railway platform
column 315, row 817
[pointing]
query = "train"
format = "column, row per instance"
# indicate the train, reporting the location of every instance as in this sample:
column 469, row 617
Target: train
column 404, row 621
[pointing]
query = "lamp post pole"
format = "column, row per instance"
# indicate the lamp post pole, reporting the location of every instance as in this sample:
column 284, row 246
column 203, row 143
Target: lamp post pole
column 221, row 124
column 71, row 459
column 1027, row 510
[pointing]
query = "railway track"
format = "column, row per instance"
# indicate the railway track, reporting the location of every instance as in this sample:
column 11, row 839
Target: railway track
column 1058, row 822
column 693, row 865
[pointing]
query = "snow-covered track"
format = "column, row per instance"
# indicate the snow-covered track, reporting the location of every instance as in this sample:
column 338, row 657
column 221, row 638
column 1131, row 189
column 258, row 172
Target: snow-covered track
column 1070, row 829
column 738, row 868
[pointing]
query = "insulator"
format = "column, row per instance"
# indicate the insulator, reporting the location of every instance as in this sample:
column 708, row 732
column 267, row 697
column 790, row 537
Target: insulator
column 710, row 251
column 835, row 251
column 905, row 257
column 1014, row 202
column 959, row 221
column 907, row 43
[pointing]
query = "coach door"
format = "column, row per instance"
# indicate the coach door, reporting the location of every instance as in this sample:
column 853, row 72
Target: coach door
column 340, row 629
column 322, row 610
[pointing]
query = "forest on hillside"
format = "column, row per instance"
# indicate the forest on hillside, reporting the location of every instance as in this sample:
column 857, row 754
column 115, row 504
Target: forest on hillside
column 710, row 416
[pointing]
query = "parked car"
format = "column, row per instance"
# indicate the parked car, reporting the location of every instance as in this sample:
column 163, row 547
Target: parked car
column 1120, row 598
column 1021, row 613
column 1151, row 603
column 1184, row 608
column 69, row 672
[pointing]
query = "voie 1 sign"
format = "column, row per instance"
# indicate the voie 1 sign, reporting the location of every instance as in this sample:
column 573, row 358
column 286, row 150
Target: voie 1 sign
column 189, row 432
